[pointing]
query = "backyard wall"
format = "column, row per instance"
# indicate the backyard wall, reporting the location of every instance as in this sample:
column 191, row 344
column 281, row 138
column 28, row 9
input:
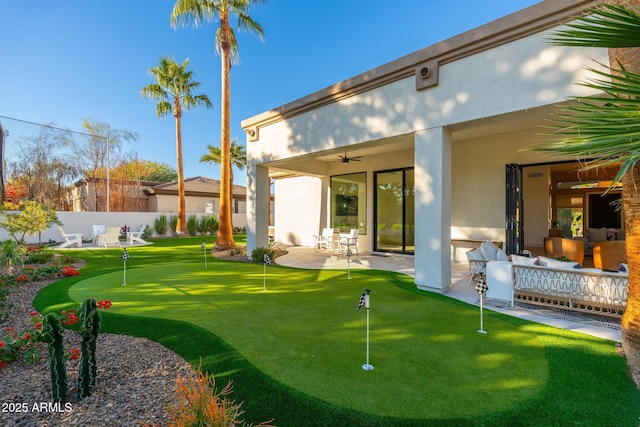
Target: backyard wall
column 82, row 222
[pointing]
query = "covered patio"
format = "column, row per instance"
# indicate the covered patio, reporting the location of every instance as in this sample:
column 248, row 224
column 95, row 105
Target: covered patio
column 426, row 149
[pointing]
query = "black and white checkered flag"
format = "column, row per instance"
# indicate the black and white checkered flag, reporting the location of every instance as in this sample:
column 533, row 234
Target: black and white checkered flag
column 125, row 255
column 362, row 302
column 481, row 287
column 266, row 259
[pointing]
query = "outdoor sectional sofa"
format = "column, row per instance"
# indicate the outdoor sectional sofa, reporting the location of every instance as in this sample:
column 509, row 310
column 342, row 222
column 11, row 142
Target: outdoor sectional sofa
column 549, row 282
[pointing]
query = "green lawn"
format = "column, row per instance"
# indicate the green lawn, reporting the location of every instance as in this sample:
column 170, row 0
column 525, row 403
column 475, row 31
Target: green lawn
column 294, row 351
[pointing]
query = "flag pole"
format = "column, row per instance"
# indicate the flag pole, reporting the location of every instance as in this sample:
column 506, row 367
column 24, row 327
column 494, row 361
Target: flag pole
column 481, row 288
column 367, row 366
column 203, row 245
column 125, row 257
column 265, row 260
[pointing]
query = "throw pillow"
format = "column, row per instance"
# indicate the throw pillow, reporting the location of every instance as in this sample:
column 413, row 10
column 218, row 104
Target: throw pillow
column 554, row 263
column 489, row 250
column 523, row 260
column 621, row 235
column 475, row 255
column 501, row 255
column 597, row 234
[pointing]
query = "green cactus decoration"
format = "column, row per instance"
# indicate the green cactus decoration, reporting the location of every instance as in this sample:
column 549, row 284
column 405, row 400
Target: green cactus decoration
column 91, row 319
column 52, row 335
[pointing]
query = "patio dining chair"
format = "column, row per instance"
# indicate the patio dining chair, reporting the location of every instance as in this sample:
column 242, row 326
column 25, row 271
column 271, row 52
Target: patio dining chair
column 325, row 240
column 348, row 240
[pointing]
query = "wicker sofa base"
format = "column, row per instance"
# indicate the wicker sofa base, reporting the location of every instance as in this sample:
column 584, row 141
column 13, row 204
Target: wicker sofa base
column 569, row 304
column 585, row 290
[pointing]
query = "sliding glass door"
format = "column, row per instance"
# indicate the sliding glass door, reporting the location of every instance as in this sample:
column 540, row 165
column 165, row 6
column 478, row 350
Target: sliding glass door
column 394, row 211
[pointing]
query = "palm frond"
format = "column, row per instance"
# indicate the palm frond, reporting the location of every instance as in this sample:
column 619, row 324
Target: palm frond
column 607, row 26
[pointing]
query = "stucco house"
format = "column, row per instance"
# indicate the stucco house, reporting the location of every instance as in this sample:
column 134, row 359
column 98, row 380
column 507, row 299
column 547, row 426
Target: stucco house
column 202, row 195
column 427, row 153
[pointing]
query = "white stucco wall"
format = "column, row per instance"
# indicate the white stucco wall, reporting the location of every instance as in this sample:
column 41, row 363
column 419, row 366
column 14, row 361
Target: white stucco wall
column 524, row 74
column 300, row 215
column 513, row 77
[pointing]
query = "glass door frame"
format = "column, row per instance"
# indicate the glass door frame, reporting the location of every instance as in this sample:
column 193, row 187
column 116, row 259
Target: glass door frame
column 403, row 249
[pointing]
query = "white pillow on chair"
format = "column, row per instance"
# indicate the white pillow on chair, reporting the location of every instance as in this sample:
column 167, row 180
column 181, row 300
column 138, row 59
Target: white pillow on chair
column 489, row 250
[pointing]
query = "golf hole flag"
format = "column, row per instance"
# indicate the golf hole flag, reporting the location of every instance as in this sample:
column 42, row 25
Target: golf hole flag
column 125, row 257
column 266, row 260
column 364, row 302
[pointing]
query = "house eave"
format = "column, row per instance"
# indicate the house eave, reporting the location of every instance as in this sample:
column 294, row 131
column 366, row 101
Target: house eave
column 520, row 24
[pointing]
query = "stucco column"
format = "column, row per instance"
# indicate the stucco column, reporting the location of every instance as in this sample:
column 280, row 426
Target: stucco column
column 432, row 257
column 257, row 207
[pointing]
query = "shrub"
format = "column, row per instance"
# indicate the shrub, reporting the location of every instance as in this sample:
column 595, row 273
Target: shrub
column 200, row 404
column 66, row 258
column 173, row 221
column 161, row 225
column 11, row 255
column 257, row 255
column 192, row 224
column 38, row 255
column 148, row 231
column 208, row 224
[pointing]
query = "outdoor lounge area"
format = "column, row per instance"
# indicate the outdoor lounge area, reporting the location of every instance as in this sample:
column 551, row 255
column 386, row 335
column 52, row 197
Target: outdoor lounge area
column 315, row 332
column 104, row 237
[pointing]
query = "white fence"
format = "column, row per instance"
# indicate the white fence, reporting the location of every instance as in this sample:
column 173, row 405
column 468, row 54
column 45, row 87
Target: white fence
column 82, row 222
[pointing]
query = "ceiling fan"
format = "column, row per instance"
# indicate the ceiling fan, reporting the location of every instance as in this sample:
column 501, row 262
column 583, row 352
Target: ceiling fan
column 345, row 159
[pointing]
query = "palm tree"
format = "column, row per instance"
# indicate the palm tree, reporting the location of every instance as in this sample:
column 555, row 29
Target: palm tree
column 604, row 129
column 174, row 93
column 196, row 12
column 237, row 156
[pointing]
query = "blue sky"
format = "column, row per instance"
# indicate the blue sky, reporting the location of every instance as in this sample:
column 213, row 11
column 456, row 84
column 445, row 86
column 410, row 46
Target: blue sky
column 64, row 60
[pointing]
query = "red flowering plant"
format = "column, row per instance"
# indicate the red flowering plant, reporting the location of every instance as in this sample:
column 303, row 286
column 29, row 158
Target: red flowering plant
column 67, row 271
column 24, row 345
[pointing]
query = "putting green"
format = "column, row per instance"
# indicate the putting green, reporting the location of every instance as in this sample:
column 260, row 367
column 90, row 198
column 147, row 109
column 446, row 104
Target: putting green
column 304, row 331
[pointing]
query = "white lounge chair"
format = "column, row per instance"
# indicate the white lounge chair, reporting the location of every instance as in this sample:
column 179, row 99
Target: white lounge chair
column 70, row 239
column 136, row 236
column 112, row 237
column 98, row 234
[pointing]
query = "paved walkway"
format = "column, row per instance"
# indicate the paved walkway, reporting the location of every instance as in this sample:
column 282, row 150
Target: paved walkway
column 305, row 257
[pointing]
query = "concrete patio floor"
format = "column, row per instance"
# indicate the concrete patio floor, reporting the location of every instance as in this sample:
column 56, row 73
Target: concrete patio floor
column 306, row 257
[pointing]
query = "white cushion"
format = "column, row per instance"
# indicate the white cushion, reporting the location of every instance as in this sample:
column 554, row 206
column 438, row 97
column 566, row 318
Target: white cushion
column 489, row 250
column 554, row 263
column 501, row 255
column 475, row 255
column 523, row 260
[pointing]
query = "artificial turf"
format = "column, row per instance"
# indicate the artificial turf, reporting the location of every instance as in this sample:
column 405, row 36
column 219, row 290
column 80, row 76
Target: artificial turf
column 294, row 351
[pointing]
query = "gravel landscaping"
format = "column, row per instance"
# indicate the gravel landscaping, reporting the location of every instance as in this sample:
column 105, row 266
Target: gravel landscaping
column 135, row 382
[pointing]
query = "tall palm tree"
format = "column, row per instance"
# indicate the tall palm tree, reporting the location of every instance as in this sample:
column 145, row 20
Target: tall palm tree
column 237, row 157
column 196, row 12
column 174, row 93
column 604, row 129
